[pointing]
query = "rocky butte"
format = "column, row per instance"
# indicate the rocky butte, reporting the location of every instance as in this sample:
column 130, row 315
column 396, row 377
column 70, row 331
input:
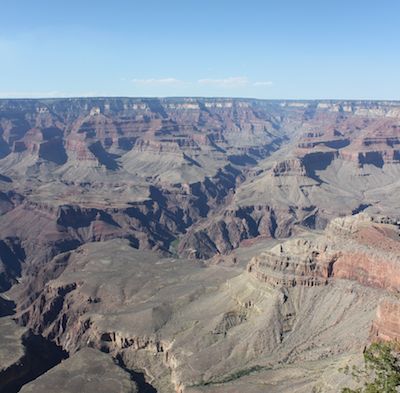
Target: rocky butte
column 196, row 245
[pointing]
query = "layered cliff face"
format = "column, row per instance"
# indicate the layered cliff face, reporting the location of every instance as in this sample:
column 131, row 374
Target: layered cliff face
column 299, row 311
column 341, row 160
column 142, row 169
column 182, row 134
column 357, row 248
column 386, row 326
column 153, row 230
column 372, row 140
column 209, row 171
column 354, row 248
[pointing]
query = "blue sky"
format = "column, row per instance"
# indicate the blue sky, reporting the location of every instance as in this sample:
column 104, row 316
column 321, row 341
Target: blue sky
column 265, row 49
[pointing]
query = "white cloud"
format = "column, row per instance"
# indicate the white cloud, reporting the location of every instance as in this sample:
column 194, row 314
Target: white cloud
column 234, row 81
column 263, row 83
column 157, row 82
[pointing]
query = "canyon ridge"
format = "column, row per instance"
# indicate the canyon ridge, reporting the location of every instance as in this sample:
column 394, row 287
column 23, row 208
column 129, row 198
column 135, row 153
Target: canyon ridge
column 196, row 245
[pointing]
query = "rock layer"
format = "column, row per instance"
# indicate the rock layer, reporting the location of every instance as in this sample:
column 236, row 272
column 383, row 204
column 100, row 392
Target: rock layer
column 192, row 327
column 107, row 206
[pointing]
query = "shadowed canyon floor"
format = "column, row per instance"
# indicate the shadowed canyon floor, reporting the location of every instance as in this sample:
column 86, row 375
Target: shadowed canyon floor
column 196, row 245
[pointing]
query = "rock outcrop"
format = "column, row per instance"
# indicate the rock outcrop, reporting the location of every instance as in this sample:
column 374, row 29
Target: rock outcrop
column 193, row 327
column 354, row 248
column 109, row 207
column 199, row 170
column 88, row 371
column 24, row 356
column 386, row 326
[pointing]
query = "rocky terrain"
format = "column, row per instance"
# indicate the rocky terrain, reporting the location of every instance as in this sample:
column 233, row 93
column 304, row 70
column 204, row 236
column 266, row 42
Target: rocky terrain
column 196, row 245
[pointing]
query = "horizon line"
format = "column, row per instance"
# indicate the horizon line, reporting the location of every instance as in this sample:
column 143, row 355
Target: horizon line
column 102, row 97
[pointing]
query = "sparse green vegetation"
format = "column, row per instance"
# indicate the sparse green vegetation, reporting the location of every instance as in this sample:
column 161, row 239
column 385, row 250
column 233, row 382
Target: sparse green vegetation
column 173, row 247
column 241, row 373
column 381, row 371
column 234, row 376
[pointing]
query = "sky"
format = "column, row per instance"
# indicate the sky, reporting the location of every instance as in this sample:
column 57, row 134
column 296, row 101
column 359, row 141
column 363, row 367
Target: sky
column 282, row 49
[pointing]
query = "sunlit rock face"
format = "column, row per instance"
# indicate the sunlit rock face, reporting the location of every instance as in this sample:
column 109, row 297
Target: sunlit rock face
column 190, row 324
column 203, row 245
column 354, row 248
column 386, row 326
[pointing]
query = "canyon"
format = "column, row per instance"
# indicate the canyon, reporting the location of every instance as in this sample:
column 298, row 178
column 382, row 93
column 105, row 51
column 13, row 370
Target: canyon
column 188, row 245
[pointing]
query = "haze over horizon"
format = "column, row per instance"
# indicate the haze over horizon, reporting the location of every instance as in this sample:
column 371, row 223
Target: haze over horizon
column 257, row 49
